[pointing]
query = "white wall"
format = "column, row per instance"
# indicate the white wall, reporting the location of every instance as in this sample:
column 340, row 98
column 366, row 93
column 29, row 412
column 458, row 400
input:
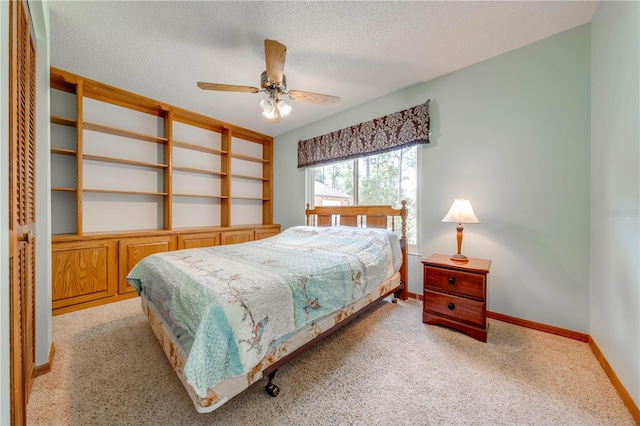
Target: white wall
column 615, row 189
column 40, row 18
column 511, row 134
column 4, row 214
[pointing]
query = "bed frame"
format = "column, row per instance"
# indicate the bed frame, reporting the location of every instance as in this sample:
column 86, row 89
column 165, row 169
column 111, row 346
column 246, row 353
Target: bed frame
column 359, row 216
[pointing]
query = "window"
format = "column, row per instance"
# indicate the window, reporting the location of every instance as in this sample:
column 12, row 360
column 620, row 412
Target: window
column 386, row 178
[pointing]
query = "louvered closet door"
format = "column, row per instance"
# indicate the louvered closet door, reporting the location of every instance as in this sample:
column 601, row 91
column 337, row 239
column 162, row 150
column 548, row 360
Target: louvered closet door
column 21, row 210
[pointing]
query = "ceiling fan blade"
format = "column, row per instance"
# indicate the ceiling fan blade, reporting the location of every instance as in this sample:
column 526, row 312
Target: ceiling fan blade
column 275, row 54
column 314, row 98
column 227, row 87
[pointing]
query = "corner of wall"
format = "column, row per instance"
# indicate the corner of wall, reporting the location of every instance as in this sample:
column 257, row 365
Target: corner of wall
column 5, row 416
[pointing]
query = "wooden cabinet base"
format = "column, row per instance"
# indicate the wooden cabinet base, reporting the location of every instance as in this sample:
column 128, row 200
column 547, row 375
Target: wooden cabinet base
column 93, row 303
column 90, row 271
column 475, row 332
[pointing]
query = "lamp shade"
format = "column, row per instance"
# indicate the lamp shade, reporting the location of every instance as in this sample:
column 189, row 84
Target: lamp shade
column 268, row 108
column 284, row 109
column 461, row 212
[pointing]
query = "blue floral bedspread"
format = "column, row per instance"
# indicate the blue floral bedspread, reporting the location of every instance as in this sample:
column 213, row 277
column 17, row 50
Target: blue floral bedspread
column 239, row 299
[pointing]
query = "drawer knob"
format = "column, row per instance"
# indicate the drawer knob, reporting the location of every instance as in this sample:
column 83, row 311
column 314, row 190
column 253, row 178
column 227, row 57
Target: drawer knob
column 451, row 306
column 451, row 280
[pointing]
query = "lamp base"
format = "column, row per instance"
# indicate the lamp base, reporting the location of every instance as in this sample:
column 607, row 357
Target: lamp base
column 459, row 257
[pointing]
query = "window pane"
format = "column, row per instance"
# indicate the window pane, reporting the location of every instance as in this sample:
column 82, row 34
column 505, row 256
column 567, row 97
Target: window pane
column 382, row 179
column 334, row 184
column 390, row 178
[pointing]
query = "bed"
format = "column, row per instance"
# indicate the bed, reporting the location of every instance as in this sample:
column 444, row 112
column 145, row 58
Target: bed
column 227, row 316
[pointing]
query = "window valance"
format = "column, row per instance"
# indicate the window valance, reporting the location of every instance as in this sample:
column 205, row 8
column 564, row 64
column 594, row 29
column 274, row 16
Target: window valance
column 394, row 131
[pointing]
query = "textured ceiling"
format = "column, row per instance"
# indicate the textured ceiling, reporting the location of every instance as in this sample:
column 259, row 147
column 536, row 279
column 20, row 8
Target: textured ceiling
column 356, row 50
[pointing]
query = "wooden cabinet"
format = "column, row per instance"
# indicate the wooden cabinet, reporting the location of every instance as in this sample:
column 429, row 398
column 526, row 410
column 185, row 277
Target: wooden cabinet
column 455, row 294
column 82, row 272
column 235, row 237
column 265, row 233
column 133, row 250
column 91, row 270
column 206, row 239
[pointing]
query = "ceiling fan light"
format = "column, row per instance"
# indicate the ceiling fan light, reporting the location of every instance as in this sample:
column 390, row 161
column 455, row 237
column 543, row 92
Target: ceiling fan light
column 269, row 115
column 284, row 108
column 267, row 107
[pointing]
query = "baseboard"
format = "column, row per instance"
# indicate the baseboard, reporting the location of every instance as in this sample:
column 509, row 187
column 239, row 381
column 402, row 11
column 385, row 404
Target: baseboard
column 539, row 326
column 414, row 296
column 626, row 398
column 624, row 395
column 45, row 368
column 528, row 324
column 93, row 303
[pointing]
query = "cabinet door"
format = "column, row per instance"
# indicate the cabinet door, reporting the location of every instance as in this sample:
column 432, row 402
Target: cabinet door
column 235, row 237
column 198, row 240
column 266, row 233
column 83, row 271
column 133, row 250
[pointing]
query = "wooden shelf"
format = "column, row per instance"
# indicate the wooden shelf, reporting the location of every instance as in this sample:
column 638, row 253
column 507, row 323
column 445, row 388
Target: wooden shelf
column 63, row 121
column 121, row 132
column 203, row 162
column 250, row 198
column 193, row 147
column 118, row 191
column 63, row 151
column 123, row 161
column 258, row 178
column 200, row 171
column 221, row 197
column 249, row 158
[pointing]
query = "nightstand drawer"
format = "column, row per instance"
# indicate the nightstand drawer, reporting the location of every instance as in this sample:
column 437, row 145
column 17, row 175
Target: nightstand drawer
column 448, row 281
column 457, row 308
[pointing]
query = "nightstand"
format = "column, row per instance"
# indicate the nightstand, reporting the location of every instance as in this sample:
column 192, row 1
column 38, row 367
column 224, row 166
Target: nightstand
column 455, row 294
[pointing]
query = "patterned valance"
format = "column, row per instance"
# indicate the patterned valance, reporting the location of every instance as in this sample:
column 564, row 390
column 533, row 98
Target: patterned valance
column 394, row 131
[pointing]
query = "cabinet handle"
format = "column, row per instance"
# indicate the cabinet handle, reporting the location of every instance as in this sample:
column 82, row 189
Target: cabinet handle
column 451, row 306
column 452, row 280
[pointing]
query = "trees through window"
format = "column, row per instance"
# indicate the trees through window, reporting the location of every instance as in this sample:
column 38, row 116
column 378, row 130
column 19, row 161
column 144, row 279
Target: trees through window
column 386, row 178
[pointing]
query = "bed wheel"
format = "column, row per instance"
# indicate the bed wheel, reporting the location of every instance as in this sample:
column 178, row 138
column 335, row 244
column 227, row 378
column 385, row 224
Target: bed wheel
column 272, row 389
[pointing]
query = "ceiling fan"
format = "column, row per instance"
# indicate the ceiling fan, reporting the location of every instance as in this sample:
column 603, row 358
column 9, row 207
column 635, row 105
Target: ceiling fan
column 274, row 83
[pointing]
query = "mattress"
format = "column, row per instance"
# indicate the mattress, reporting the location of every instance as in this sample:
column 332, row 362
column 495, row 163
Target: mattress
column 229, row 311
column 171, row 337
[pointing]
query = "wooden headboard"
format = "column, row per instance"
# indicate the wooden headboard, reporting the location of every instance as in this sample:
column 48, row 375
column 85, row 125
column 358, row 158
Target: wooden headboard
column 366, row 216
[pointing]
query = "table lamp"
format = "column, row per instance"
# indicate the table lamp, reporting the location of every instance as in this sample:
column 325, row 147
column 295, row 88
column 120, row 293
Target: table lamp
column 460, row 212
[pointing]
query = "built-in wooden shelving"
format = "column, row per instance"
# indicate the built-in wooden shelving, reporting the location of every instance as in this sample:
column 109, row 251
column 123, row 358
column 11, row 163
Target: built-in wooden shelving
column 107, row 189
column 200, row 171
column 249, row 158
column 63, row 121
column 63, row 151
column 118, row 160
column 222, row 197
column 122, row 132
column 194, row 147
column 247, row 177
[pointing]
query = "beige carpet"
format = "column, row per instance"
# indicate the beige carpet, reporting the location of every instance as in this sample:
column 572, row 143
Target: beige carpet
column 386, row 368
